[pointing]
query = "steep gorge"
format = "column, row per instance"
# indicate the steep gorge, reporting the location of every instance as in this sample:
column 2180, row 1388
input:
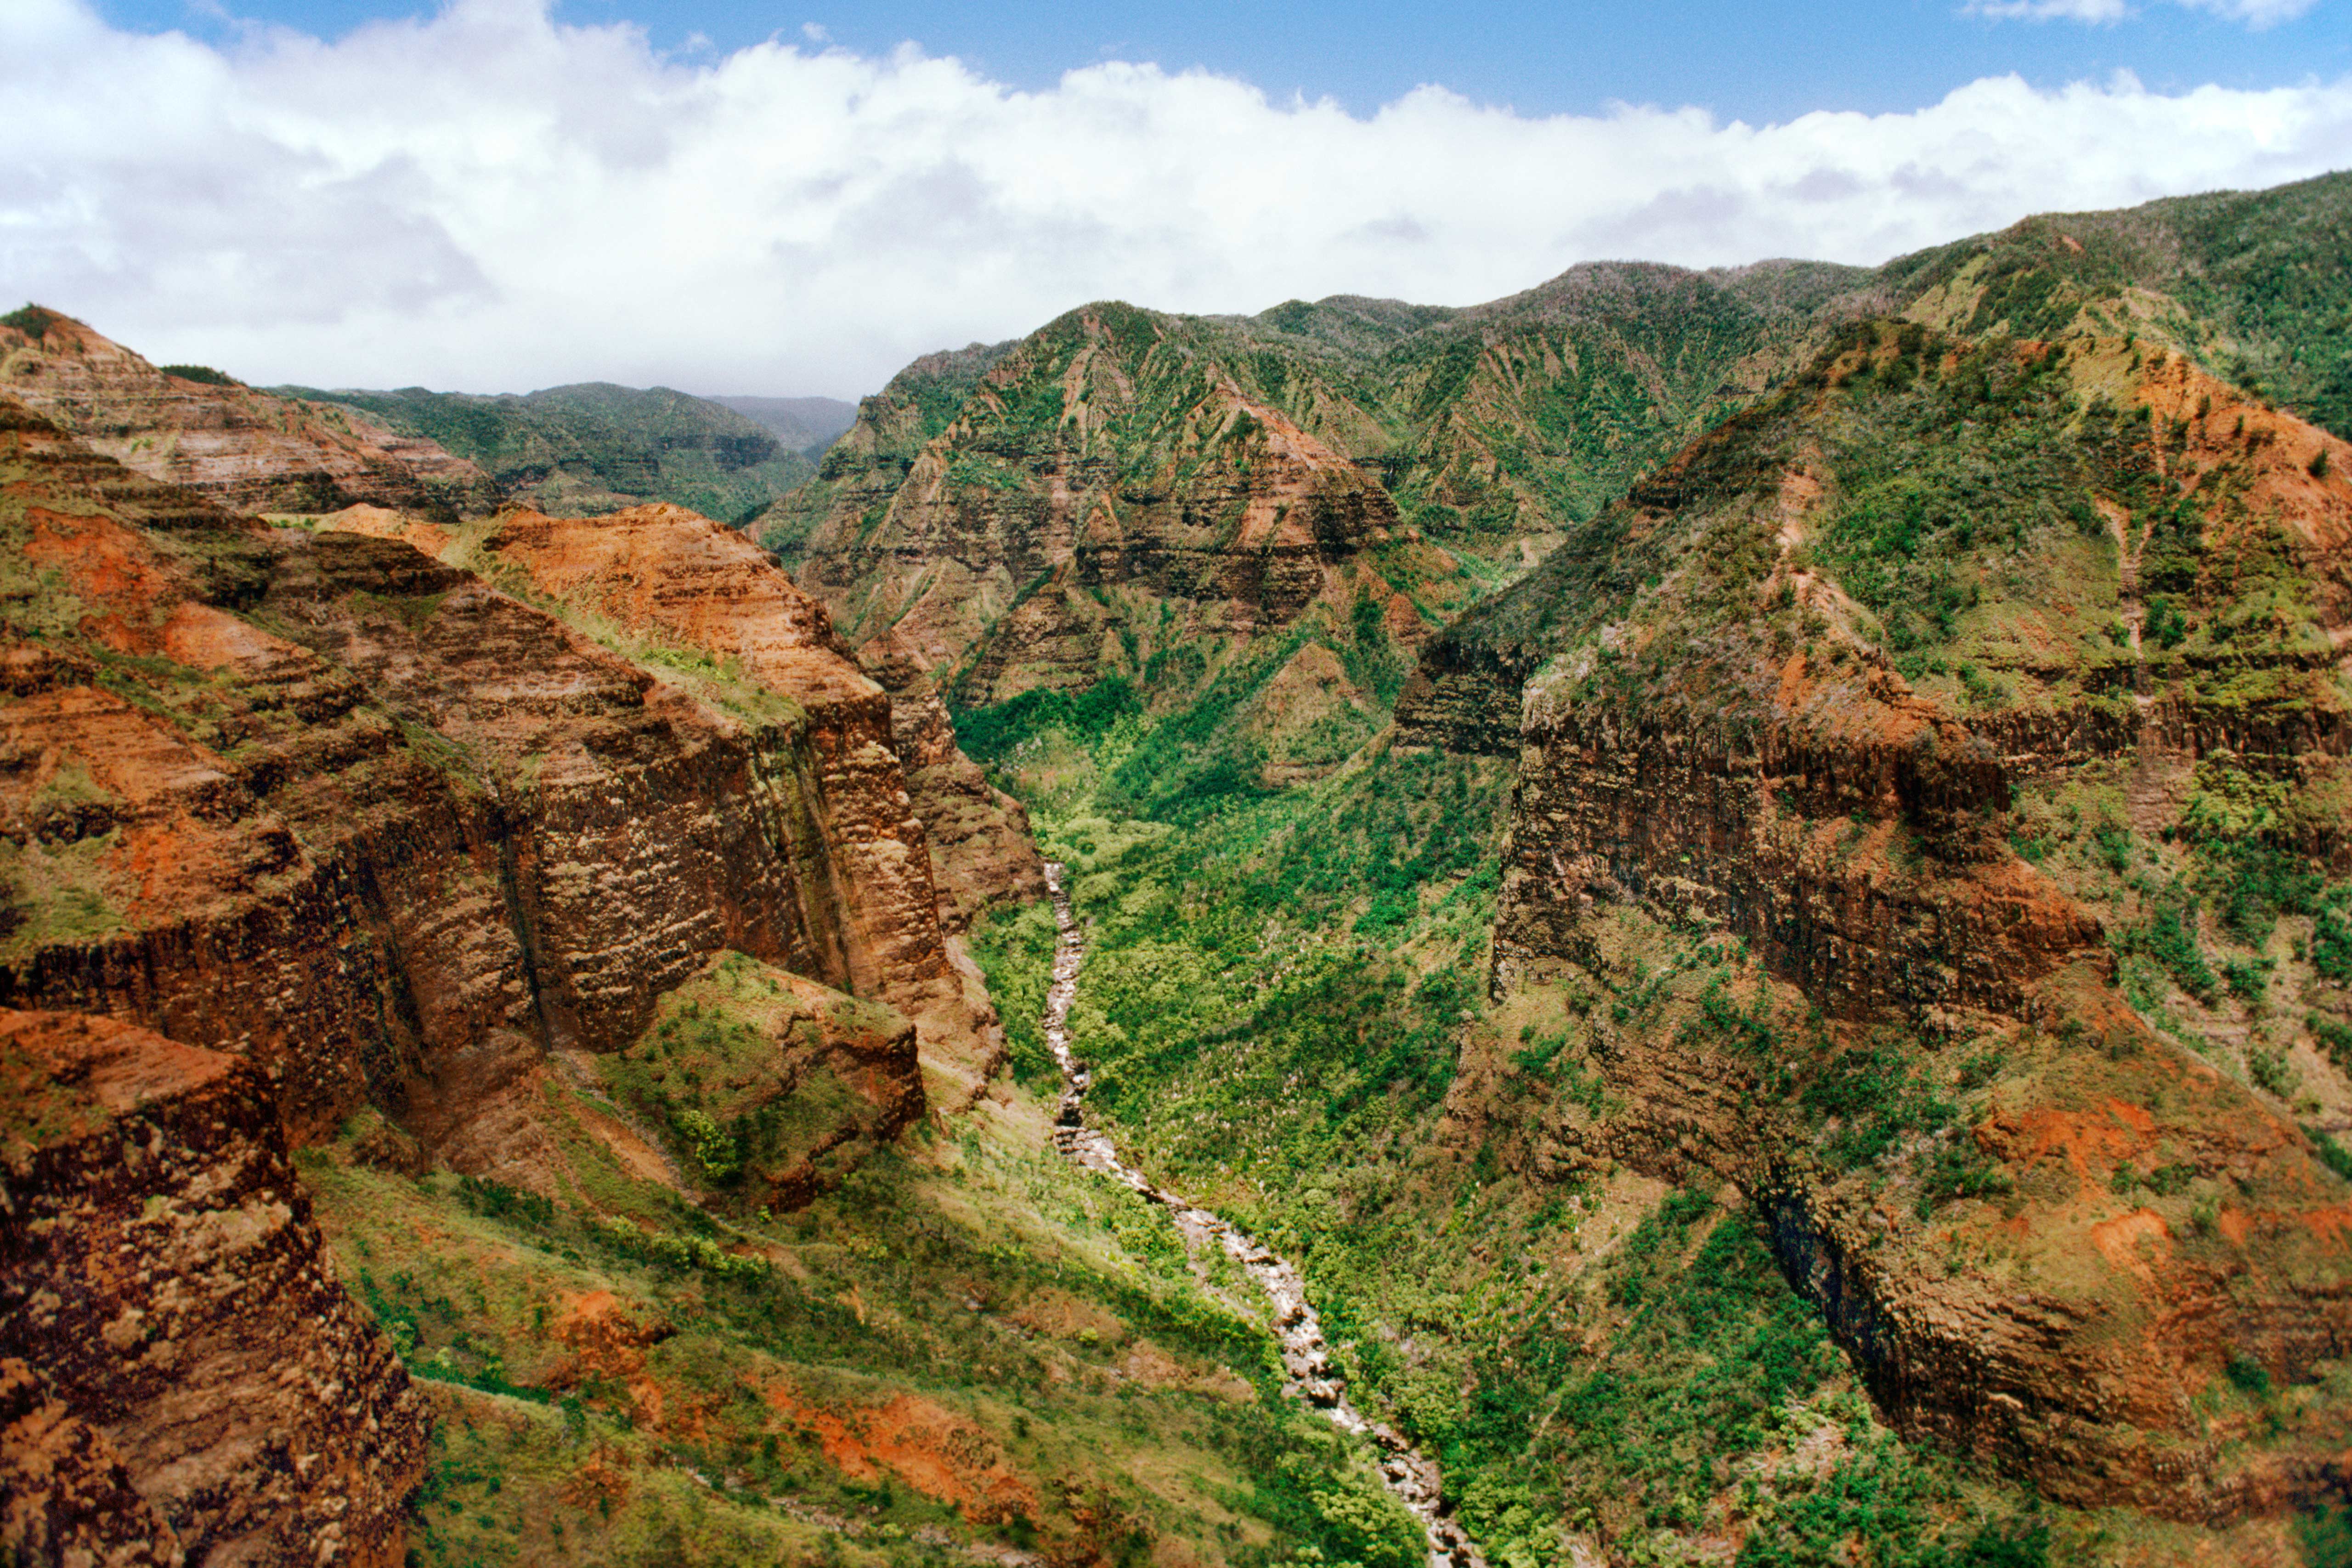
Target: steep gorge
column 1880, row 926
column 1901, row 1033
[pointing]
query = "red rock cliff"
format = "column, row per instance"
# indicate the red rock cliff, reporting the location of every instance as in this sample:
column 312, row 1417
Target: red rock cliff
column 246, row 449
column 398, row 836
column 180, row 1376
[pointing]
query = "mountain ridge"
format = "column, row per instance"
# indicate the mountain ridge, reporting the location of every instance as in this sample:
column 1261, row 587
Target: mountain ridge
column 1747, row 869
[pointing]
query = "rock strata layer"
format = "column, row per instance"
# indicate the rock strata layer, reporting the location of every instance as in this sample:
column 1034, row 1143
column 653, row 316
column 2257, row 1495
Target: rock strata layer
column 1796, row 910
column 244, row 449
column 182, row 1379
column 1099, row 456
column 404, row 838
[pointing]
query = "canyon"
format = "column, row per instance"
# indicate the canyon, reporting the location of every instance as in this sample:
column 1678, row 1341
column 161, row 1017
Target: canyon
column 1723, row 893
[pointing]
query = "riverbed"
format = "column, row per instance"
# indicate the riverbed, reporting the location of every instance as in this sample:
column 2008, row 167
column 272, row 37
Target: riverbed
column 1308, row 1373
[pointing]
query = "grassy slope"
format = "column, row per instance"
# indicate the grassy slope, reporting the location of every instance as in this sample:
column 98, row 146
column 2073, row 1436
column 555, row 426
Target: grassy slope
column 968, row 1345
column 2257, row 285
column 596, row 447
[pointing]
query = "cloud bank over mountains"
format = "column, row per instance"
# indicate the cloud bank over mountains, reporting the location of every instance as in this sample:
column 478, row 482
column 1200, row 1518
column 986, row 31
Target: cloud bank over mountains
column 488, row 201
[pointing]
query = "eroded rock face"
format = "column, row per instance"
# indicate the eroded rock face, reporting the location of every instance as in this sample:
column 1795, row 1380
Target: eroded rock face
column 1096, row 456
column 1776, row 889
column 180, row 1376
column 803, row 1081
column 244, row 449
column 419, row 836
column 886, row 770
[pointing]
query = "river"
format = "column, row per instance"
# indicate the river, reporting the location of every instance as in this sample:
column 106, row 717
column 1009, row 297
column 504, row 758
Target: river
column 1412, row 1475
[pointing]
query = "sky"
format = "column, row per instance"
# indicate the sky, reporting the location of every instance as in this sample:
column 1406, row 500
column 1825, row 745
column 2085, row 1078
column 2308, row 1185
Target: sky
column 798, row 197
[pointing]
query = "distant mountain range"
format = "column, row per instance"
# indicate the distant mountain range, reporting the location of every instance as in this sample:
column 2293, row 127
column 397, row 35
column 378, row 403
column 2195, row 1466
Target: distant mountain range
column 595, row 447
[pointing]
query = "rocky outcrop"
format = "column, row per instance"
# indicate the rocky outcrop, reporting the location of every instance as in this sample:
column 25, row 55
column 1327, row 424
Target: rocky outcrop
column 244, row 449
column 1464, row 694
column 181, row 1377
column 799, row 1082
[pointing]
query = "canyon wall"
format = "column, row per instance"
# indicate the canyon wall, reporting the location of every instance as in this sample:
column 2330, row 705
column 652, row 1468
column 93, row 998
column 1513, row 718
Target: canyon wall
column 361, row 828
column 398, row 835
column 182, row 1379
column 1917, row 959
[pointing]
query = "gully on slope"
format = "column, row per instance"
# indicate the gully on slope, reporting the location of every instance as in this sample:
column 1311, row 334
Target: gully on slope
column 1412, row 1475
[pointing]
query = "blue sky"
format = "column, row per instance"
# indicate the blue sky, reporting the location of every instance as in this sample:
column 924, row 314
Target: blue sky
column 501, row 195
column 1743, row 61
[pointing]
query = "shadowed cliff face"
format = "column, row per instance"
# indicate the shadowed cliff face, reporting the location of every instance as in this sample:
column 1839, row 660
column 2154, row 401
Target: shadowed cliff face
column 181, row 1377
column 924, row 842
column 244, row 449
column 1875, row 834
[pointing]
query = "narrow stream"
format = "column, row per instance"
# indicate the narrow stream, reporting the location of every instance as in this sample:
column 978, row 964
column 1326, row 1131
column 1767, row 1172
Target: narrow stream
column 1412, row 1475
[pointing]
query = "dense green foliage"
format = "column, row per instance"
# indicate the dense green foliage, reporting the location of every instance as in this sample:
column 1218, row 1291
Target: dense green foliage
column 595, row 447
column 204, row 374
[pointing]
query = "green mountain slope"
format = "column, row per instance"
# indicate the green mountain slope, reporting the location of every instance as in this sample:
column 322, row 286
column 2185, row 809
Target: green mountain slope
column 596, row 447
column 2256, row 286
column 1622, row 1135
column 1491, row 429
column 1489, row 423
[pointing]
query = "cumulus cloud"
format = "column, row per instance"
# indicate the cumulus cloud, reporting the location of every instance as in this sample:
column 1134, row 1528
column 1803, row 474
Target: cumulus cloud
column 488, row 200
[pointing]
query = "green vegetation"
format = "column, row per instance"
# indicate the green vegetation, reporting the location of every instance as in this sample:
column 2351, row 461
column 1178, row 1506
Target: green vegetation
column 2255, row 285
column 1280, row 988
column 595, row 447
column 200, row 373
column 30, row 319
column 950, row 1339
column 964, row 1318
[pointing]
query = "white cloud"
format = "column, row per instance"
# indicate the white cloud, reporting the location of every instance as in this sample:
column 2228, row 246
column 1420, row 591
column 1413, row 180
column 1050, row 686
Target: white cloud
column 486, row 200
column 2255, row 14
column 2052, row 10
